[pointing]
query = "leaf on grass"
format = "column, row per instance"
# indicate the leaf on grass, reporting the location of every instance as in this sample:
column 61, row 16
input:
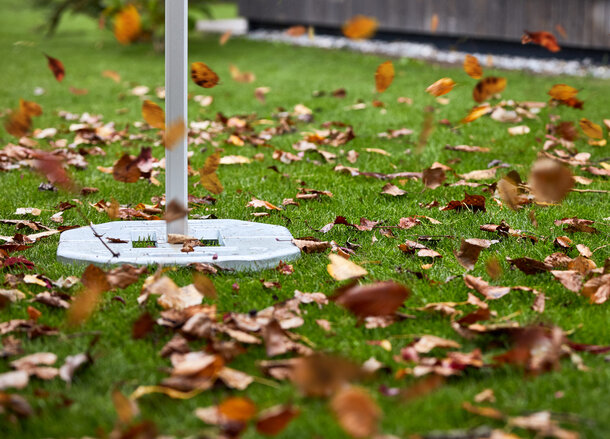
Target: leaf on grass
column 489, row 291
column 477, row 112
column 203, row 76
column 384, row 76
column 126, row 408
column 343, row 269
column 571, row 279
column 153, row 114
column 529, row 265
column 57, row 67
column 311, row 245
column 377, row 299
column 441, row 87
column 274, row 420
column 475, row 203
column 591, row 129
column 391, row 189
column 127, row 25
column 487, row 87
column 562, row 92
column 433, row 177
column 356, row 411
column 542, row 38
column 256, row 203
column 126, row 169
column 472, row 67
column 239, row 76
column 360, row 27
column 208, row 177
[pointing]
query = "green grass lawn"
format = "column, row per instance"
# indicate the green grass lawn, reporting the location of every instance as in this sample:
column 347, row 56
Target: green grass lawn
column 293, row 74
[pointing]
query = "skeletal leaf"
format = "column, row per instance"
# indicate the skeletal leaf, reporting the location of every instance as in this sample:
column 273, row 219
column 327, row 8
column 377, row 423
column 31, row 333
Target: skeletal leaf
column 203, row 76
column 384, row 76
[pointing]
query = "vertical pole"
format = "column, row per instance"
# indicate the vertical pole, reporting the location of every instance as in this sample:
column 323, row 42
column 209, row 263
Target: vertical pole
column 176, row 50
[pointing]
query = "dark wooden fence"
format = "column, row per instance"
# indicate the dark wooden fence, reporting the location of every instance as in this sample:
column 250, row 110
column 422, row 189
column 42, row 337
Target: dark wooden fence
column 586, row 22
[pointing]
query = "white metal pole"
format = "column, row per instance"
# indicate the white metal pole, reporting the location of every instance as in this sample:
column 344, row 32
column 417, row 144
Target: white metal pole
column 176, row 60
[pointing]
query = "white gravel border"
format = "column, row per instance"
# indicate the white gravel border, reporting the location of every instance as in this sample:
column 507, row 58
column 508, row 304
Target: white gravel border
column 552, row 66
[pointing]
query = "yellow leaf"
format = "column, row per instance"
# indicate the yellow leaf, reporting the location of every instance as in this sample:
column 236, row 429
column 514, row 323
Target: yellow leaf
column 384, row 76
column 153, row 114
column 562, row 92
column 360, row 27
column 175, row 133
column 477, row 112
column 203, row 76
column 208, row 177
column 472, row 67
column 343, row 269
column 487, row 87
column 591, row 129
column 441, row 87
column 127, row 25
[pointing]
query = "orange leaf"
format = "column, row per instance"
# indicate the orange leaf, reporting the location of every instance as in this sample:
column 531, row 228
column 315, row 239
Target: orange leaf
column 203, row 76
column 237, row 409
column 562, row 92
column 477, row 112
column 18, row 123
column 111, row 74
column 30, row 108
column 472, row 67
column 360, row 27
column 274, row 420
column 487, row 87
column 208, row 177
column 176, row 131
column 56, row 67
column 591, row 129
column 295, row 31
column 434, row 23
column 153, row 114
column 239, row 76
column 384, row 76
column 225, row 37
column 441, row 87
column 544, row 39
column 356, row 411
column 127, row 25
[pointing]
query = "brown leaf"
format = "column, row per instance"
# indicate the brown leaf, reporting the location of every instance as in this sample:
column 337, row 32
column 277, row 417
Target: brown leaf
column 384, row 76
column 52, row 167
column 205, row 286
column 126, row 169
column 274, row 420
column 570, row 279
column 239, row 76
column 203, row 76
column 360, row 27
column 597, row 289
column 441, row 87
column 126, row 409
column 390, row 189
column 153, row 114
column 576, row 225
column 356, row 411
column 343, row 269
column 56, row 67
column 256, row 203
column 311, row 245
column 543, row 38
column 529, row 265
column 322, row 375
column 127, row 25
column 208, row 177
column 123, row 276
column 487, row 87
column 489, row 291
column 591, row 129
column 433, row 177
column 472, row 67
column 470, row 202
column 469, row 252
column 143, row 326
column 175, row 211
column 377, row 299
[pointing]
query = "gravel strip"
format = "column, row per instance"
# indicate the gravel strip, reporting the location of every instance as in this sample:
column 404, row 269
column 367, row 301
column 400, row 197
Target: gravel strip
column 428, row 52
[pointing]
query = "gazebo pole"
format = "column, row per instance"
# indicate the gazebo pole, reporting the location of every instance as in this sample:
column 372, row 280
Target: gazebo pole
column 176, row 59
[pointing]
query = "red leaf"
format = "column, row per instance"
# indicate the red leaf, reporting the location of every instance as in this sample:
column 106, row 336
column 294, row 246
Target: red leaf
column 56, row 67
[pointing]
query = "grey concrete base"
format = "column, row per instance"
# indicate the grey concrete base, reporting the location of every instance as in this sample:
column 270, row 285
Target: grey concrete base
column 241, row 245
column 237, row 26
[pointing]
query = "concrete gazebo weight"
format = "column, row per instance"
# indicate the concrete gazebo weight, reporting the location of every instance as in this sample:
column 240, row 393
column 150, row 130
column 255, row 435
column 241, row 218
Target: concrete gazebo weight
column 239, row 245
